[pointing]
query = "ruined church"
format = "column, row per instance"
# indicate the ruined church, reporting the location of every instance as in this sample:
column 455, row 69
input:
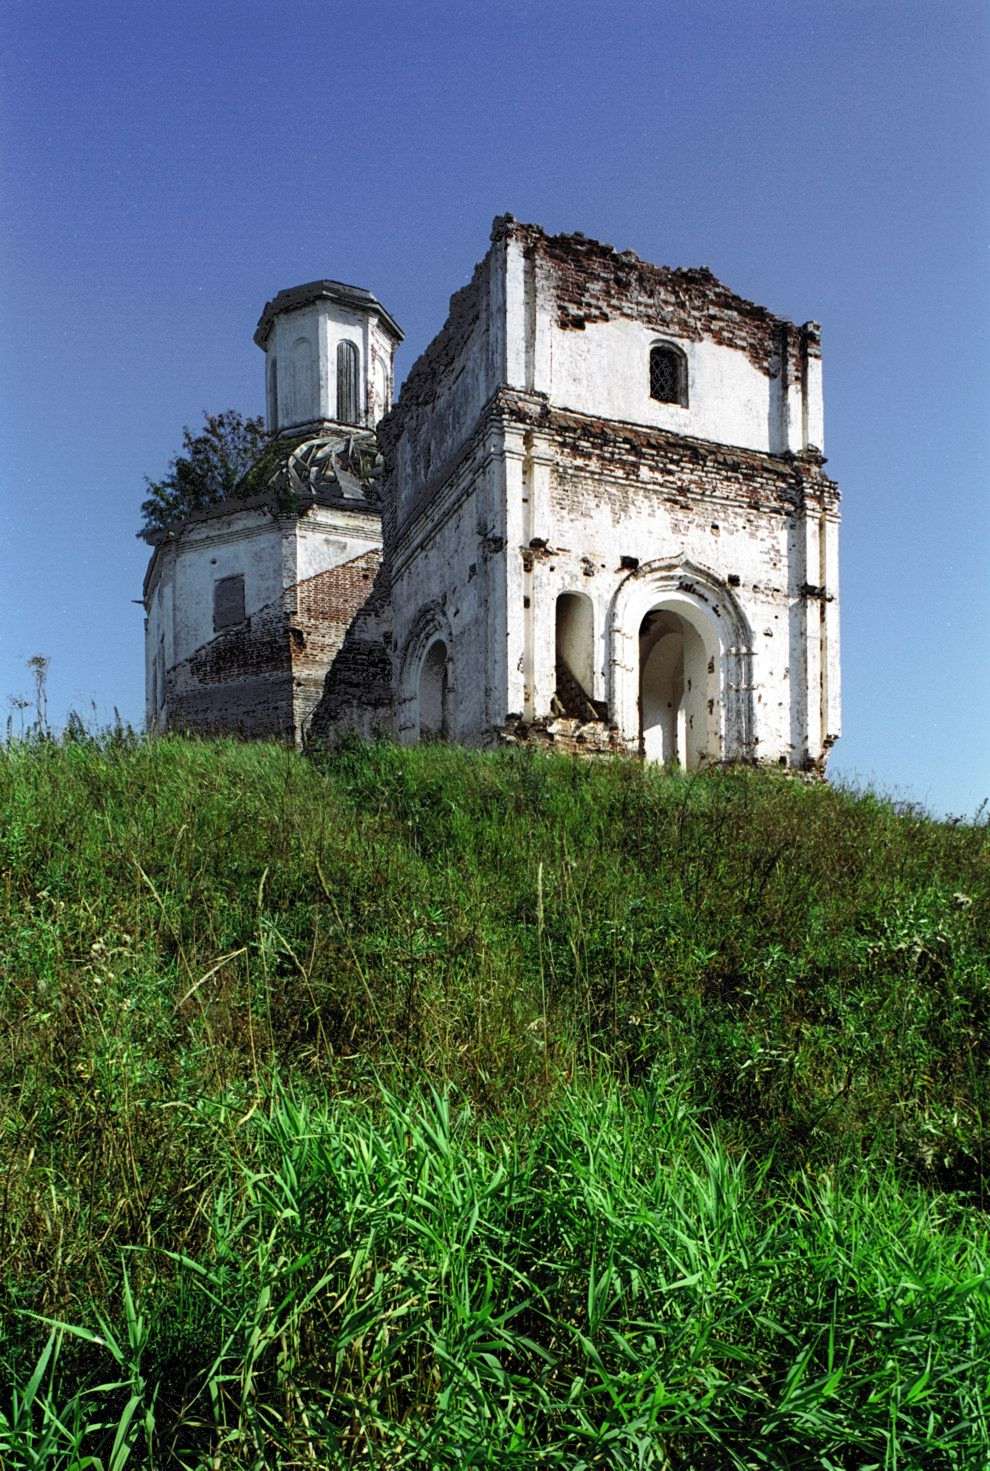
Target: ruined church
column 596, row 520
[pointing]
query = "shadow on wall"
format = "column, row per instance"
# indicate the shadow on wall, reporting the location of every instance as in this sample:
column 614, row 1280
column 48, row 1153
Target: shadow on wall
column 357, row 691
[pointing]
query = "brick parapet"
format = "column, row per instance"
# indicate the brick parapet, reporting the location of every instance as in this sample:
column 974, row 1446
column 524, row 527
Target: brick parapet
column 593, row 282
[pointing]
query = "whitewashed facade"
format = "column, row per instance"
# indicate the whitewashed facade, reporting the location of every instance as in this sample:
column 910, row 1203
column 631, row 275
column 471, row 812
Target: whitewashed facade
column 602, row 567
column 604, row 521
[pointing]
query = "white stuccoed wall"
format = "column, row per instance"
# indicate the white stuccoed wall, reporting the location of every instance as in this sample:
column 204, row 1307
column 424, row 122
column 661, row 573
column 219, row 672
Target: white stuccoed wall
column 180, row 594
column 252, row 544
column 590, row 525
column 446, row 556
column 328, row 536
column 313, row 331
column 448, row 581
column 473, row 348
column 496, row 518
column 602, row 369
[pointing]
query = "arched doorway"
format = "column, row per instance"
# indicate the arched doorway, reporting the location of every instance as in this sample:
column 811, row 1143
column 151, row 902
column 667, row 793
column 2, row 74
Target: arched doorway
column 678, row 692
column 433, row 690
column 680, row 652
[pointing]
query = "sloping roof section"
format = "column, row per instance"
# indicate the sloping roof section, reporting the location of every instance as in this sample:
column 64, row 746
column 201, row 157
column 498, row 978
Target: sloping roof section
column 294, row 297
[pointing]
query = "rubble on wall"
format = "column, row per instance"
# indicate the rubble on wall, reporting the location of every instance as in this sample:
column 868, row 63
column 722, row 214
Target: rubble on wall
column 565, row 735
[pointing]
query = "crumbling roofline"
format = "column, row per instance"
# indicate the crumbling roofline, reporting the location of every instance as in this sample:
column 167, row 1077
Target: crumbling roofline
column 580, row 246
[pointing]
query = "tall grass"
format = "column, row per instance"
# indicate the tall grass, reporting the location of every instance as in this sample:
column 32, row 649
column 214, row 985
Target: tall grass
column 406, row 1285
column 432, row 1108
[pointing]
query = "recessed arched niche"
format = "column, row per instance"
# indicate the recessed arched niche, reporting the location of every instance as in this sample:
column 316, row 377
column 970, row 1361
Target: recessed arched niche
column 574, row 637
column 434, row 693
column 303, row 406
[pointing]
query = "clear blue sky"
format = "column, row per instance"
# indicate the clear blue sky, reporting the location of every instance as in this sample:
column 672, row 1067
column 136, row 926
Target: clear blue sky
column 168, row 167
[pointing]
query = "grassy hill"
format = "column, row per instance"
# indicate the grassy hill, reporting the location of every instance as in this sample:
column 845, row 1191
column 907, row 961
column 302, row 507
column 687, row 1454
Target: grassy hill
column 439, row 1109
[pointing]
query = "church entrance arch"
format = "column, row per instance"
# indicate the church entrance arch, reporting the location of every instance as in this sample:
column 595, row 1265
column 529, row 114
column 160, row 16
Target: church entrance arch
column 681, row 652
column 678, row 692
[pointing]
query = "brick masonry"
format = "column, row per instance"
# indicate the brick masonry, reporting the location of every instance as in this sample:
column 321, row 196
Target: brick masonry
column 265, row 677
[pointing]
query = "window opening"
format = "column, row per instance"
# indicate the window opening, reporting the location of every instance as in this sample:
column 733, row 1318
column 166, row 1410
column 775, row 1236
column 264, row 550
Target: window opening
column 668, row 375
column 347, row 383
column 228, row 602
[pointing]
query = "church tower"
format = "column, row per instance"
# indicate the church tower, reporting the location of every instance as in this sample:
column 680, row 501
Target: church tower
column 607, row 523
column 248, row 602
column 329, row 358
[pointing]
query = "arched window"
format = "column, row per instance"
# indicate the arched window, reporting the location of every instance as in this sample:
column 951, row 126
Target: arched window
column 348, row 400
column 668, row 375
column 302, row 407
column 272, row 394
